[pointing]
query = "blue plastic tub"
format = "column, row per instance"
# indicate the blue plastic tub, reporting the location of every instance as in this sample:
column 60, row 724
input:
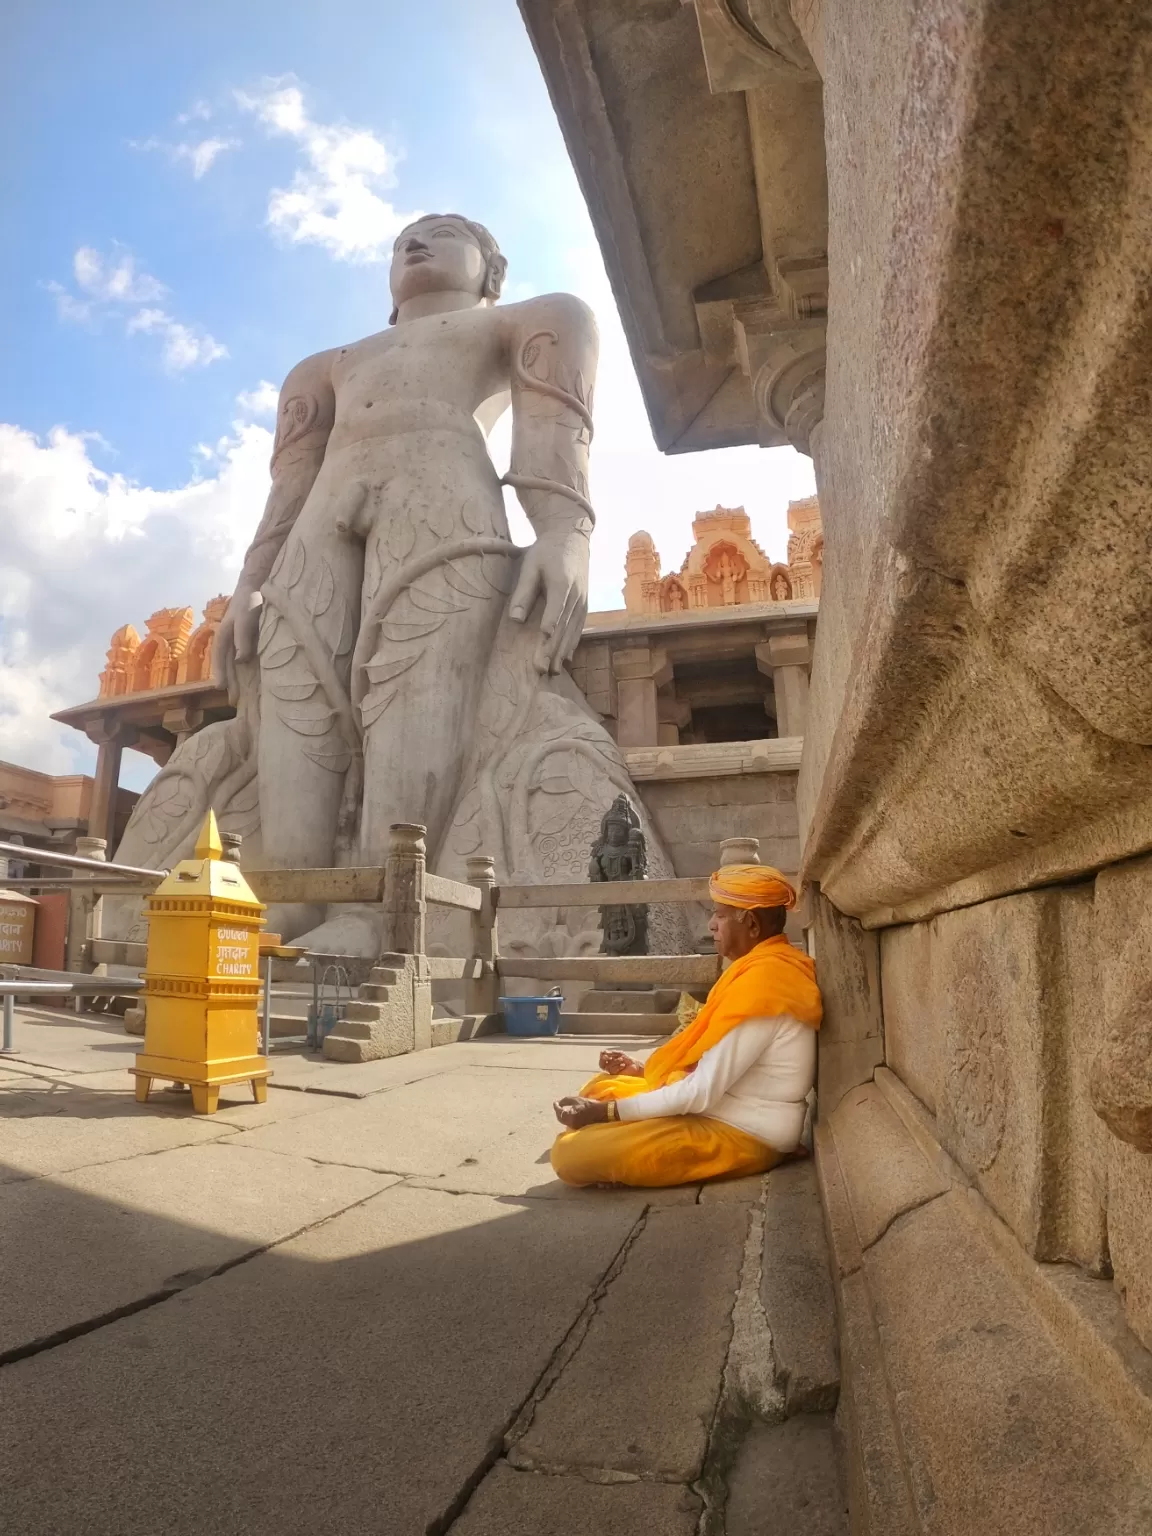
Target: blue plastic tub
column 532, row 1015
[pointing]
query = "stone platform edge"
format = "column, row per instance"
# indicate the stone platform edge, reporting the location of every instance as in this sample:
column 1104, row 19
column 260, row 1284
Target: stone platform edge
column 1082, row 1314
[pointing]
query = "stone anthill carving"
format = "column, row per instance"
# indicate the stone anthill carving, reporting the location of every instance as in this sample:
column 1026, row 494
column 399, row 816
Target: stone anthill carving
column 392, row 655
column 620, row 853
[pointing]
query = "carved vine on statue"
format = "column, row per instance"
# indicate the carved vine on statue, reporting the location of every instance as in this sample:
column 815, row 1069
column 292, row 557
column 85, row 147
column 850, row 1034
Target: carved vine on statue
column 392, row 655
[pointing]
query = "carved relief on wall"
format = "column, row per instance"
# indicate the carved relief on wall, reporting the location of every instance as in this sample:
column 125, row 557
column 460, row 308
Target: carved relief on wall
column 780, row 586
column 726, row 566
column 974, row 1104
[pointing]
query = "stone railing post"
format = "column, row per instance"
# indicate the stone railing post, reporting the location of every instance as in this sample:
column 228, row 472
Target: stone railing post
column 740, row 850
column 481, row 993
column 405, row 906
column 84, row 909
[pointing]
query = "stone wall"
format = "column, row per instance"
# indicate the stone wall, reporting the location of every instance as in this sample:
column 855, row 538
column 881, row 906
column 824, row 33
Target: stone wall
column 1005, row 1020
column 694, row 816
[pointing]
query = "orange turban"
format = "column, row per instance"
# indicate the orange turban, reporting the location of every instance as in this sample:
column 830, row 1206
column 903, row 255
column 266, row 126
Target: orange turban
column 751, row 885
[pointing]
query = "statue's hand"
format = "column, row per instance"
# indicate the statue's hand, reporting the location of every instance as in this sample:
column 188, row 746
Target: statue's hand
column 237, row 636
column 558, row 563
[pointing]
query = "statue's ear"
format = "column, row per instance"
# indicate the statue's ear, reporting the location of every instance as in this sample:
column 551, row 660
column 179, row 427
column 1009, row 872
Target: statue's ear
column 494, row 279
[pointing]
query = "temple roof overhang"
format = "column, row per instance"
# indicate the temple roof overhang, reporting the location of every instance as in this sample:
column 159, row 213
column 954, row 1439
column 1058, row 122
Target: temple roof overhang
column 697, row 135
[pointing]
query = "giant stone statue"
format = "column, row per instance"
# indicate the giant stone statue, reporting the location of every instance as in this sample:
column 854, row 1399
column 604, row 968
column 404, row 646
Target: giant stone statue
column 391, row 654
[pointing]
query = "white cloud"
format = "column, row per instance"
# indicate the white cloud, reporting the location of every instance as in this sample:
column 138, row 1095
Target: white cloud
column 83, row 551
column 261, row 401
column 112, row 286
column 334, row 199
column 199, row 111
column 114, row 279
column 201, row 154
column 68, row 306
column 184, row 347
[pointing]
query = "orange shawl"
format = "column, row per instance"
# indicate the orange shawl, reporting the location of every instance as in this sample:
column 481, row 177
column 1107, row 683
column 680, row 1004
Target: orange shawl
column 772, row 979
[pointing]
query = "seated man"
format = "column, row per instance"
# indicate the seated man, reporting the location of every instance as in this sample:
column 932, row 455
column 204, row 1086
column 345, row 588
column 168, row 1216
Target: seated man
column 727, row 1094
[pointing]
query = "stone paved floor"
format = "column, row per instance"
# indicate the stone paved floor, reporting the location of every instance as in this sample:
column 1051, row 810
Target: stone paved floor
column 369, row 1308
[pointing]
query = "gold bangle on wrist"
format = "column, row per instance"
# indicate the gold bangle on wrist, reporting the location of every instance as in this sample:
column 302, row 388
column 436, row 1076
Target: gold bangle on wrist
column 613, row 1112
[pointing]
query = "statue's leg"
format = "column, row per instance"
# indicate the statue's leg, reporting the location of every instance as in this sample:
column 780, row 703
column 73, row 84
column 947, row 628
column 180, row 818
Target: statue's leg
column 430, row 653
column 307, row 631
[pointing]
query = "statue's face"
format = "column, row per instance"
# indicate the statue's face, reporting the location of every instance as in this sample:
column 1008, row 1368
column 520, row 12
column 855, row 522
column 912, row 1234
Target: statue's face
column 437, row 256
column 617, row 835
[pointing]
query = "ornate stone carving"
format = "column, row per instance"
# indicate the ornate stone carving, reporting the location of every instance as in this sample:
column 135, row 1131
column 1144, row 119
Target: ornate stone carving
column 749, row 43
column 196, row 663
column 620, row 853
column 725, row 565
column 788, row 366
column 116, row 677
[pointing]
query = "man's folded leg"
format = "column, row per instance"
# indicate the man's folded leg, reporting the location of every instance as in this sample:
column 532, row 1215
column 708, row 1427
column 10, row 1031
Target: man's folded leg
column 653, row 1154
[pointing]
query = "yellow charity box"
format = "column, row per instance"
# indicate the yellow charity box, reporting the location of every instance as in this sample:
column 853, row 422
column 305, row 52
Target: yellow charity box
column 202, row 980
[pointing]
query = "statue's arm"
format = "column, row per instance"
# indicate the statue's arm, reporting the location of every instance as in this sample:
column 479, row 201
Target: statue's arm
column 304, row 420
column 554, row 349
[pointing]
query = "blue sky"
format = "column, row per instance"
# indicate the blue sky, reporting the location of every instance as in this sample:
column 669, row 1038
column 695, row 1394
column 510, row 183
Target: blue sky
column 202, row 196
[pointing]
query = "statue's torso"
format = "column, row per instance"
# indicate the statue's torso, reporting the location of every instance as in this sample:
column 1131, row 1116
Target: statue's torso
column 424, row 372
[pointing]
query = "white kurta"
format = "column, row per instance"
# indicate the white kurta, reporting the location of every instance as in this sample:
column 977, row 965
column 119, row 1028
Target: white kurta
column 756, row 1078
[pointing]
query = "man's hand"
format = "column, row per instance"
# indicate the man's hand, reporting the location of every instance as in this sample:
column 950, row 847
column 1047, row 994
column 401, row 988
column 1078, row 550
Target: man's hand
column 558, row 562
column 616, row 1064
column 574, row 1112
column 237, row 636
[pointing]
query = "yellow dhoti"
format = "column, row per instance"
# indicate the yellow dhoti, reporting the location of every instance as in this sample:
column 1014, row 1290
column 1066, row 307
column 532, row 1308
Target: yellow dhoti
column 654, row 1154
column 770, row 980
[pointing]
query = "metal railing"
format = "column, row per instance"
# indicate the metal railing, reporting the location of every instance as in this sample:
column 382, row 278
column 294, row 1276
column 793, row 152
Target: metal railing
column 82, row 986
column 28, row 855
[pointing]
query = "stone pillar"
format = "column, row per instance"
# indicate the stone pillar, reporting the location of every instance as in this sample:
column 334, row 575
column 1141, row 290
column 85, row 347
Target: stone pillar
column 786, row 658
column 110, row 742
column 673, row 715
column 739, row 850
column 84, row 908
column 405, row 906
column 640, row 670
column 481, row 992
column 183, row 721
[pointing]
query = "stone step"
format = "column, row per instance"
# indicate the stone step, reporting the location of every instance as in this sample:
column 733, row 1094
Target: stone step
column 653, row 1026
column 796, row 1290
column 650, row 1000
column 376, row 991
column 288, row 1025
column 383, row 976
column 363, row 1009
column 982, row 1391
column 788, row 1477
